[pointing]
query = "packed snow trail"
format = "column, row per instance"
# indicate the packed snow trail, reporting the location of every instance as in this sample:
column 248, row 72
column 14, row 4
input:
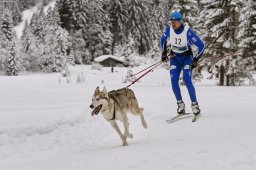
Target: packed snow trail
column 45, row 125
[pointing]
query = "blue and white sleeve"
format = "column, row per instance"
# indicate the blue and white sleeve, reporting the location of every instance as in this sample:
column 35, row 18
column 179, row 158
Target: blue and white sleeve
column 164, row 37
column 193, row 39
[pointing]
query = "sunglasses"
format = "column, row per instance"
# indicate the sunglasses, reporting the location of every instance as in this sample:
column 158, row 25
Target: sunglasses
column 170, row 22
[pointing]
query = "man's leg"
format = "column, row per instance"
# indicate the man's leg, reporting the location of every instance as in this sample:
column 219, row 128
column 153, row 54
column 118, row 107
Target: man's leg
column 187, row 75
column 175, row 71
column 175, row 76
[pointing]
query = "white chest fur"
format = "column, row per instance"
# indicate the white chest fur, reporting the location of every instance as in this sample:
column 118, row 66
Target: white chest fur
column 110, row 113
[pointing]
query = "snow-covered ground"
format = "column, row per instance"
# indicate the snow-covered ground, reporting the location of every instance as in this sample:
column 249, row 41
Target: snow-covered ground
column 45, row 125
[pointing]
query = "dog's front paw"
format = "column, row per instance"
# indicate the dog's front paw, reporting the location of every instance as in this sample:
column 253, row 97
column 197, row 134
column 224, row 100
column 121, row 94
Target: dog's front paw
column 125, row 143
column 145, row 125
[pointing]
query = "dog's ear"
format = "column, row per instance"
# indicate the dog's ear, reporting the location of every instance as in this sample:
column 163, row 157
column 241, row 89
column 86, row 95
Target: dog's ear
column 105, row 90
column 97, row 90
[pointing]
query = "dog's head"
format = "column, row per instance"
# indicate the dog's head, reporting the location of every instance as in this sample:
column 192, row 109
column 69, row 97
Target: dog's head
column 99, row 100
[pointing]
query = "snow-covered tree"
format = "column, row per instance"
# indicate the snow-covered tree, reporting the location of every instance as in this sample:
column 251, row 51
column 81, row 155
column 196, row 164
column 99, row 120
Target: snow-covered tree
column 87, row 57
column 159, row 13
column 247, row 29
column 139, row 26
column 26, row 4
column 97, row 34
column 31, row 45
column 38, row 22
column 9, row 57
column 52, row 16
column 73, row 14
column 57, row 43
column 246, row 63
column 189, row 9
column 7, row 33
column 129, row 76
column 118, row 14
column 220, row 19
column 12, row 67
column 79, row 47
column 66, row 14
column 46, row 46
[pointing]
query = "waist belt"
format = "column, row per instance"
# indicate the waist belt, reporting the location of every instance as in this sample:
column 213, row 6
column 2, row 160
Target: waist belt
column 186, row 53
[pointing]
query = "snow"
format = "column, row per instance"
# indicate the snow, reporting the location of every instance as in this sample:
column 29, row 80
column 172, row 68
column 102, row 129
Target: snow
column 45, row 125
column 26, row 17
column 104, row 57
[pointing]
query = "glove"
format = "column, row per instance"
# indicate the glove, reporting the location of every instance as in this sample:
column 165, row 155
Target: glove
column 164, row 56
column 194, row 63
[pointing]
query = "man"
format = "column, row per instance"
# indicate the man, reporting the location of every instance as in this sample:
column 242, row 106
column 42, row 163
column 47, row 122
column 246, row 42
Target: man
column 179, row 38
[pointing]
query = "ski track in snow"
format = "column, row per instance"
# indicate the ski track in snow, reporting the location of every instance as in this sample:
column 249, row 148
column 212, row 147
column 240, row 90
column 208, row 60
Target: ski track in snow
column 46, row 125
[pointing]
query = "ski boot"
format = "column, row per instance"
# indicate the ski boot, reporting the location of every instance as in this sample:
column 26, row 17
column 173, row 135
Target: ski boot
column 195, row 108
column 181, row 107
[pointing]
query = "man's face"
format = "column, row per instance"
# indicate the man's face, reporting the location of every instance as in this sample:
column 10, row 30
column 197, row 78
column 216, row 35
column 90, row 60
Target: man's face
column 175, row 24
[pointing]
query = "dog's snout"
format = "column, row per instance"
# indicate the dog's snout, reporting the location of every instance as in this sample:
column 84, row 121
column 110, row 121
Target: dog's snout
column 91, row 106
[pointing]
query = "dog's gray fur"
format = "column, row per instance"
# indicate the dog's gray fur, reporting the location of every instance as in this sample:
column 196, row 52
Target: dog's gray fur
column 115, row 105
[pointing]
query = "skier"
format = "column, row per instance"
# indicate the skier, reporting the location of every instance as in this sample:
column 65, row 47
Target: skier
column 178, row 37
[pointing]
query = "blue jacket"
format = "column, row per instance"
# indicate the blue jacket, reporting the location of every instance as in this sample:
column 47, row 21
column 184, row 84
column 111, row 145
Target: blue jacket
column 192, row 39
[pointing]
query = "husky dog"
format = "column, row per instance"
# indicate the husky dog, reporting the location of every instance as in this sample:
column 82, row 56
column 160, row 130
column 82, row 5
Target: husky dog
column 115, row 105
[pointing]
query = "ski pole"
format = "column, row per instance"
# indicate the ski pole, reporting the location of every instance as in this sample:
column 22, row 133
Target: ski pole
column 147, row 68
column 156, row 65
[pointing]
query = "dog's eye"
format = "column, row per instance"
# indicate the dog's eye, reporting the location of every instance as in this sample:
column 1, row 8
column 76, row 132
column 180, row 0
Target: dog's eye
column 97, row 99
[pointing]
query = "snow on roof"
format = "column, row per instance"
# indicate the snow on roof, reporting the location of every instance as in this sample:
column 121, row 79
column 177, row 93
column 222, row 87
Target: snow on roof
column 104, row 57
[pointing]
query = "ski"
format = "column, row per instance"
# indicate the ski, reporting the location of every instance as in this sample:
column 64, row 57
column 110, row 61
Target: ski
column 195, row 118
column 178, row 117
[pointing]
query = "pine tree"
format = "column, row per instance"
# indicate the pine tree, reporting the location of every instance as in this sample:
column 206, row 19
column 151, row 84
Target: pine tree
column 246, row 63
column 28, row 48
column 74, row 17
column 3, row 51
column 55, row 52
column 32, row 42
column 118, row 14
column 200, row 5
column 189, row 9
column 247, row 28
column 26, row 4
column 12, row 66
column 46, row 46
column 9, row 64
column 129, row 76
column 127, row 51
column 38, row 26
column 159, row 13
column 57, row 44
column 87, row 57
column 7, row 29
column 66, row 14
column 79, row 48
column 97, row 34
column 220, row 19
column 100, row 40
column 73, row 14
column 52, row 16
column 81, row 14
column 139, row 26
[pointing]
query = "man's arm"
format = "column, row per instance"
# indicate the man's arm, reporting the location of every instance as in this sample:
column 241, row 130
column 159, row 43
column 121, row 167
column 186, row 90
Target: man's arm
column 164, row 37
column 194, row 39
